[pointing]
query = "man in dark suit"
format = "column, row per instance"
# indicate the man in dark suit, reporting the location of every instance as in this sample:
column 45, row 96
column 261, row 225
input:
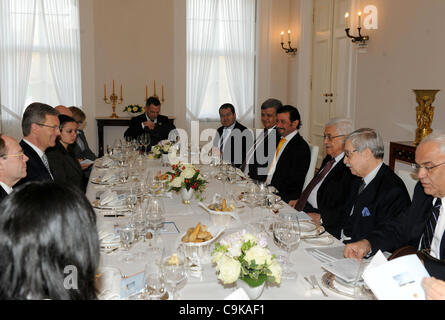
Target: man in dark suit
column 261, row 154
column 325, row 197
column 151, row 122
column 422, row 225
column 292, row 158
column 233, row 139
column 380, row 196
column 12, row 164
column 40, row 126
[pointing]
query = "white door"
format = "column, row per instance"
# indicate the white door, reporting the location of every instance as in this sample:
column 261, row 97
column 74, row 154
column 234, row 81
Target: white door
column 330, row 67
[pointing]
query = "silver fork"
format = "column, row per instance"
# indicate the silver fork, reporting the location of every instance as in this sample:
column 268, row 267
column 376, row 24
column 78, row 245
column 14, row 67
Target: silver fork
column 315, row 282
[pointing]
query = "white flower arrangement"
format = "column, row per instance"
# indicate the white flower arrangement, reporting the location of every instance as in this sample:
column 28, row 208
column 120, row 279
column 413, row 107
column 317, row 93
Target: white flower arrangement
column 163, row 147
column 245, row 256
column 186, row 176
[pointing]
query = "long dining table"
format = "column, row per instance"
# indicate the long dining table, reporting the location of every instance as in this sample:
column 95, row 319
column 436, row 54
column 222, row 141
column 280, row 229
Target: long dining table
column 206, row 286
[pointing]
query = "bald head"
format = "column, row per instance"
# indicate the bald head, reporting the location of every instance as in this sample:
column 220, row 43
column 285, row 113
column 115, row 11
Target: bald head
column 64, row 110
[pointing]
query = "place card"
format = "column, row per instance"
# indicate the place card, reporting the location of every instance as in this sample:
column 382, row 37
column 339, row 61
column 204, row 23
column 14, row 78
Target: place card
column 132, row 284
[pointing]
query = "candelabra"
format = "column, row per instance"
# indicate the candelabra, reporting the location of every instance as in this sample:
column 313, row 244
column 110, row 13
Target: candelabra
column 289, row 50
column 359, row 38
column 154, row 92
column 113, row 100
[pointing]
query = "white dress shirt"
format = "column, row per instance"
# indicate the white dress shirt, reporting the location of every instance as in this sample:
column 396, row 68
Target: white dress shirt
column 438, row 231
column 312, row 199
column 226, row 134
column 5, row 187
column 277, row 158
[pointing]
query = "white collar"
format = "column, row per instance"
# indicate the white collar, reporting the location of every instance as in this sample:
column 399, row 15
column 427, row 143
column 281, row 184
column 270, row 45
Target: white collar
column 230, row 127
column 7, row 188
column 154, row 121
column 290, row 136
column 36, row 149
column 372, row 174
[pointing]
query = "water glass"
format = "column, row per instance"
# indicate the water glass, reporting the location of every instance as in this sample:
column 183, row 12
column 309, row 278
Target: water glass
column 154, row 281
column 286, row 232
column 127, row 238
column 174, row 273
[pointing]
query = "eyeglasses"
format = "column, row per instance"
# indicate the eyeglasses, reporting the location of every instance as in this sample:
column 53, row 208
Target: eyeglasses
column 427, row 168
column 17, row 155
column 45, row 125
column 330, row 138
column 349, row 154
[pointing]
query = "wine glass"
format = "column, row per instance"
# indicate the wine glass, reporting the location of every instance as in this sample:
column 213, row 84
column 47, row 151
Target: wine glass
column 132, row 197
column 126, row 238
column 154, row 280
column 109, row 150
column 286, row 232
column 145, row 141
column 173, row 267
column 155, row 215
column 123, row 175
column 250, row 200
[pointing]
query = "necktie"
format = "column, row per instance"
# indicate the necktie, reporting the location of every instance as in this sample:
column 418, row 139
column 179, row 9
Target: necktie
column 361, row 187
column 316, row 180
column 282, row 141
column 252, row 150
column 45, row 162
column 428, row 234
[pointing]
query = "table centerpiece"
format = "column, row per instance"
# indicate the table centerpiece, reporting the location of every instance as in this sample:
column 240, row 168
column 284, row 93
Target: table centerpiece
column 185, row 178
column 244, row 258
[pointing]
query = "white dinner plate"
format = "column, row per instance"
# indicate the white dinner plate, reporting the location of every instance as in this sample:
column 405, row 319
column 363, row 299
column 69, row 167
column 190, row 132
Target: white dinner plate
column 340, row 287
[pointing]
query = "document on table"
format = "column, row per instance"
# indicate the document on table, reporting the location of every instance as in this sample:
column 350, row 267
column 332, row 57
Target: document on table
column 398, row 279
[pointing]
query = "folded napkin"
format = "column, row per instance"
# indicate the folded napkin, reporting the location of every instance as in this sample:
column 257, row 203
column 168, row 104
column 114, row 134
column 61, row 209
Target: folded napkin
column 108, row 239
column 108, row 177
column 107, row 197
column 109, row 284
column 106, row 161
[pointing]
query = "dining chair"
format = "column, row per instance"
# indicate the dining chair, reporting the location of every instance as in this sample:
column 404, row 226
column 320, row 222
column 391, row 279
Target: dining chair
column 311, row 171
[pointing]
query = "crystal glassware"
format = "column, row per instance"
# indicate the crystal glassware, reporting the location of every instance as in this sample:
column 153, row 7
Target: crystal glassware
column 173, row 268
column 286, row 232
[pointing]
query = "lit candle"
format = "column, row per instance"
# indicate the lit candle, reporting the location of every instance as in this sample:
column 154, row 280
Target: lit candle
column 121, row 92
column 347, row 20
column 360, row 19
column 146, row 93
column 154, row 86
column 113, row 87
column 288, row 35
column 282, row 36
column 105, row 91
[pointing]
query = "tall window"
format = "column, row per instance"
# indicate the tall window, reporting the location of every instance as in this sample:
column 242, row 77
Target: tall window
column 220, row 57
column 39, row 57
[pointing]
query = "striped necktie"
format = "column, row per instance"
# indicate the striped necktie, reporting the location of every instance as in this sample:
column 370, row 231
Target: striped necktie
column 316, row 180
column 45, row 162
column 428, row 233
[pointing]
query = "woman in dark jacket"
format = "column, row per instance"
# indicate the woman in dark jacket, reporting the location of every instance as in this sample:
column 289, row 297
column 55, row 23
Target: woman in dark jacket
column 66, row 167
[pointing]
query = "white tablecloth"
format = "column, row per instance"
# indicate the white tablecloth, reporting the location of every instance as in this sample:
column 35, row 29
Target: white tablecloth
column 208, row 287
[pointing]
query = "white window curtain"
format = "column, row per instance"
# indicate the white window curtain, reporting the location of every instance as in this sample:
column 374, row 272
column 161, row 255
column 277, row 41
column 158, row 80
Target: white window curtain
column 39, row 57
column 238, row 29
column 17, row 22
column 61, row 20
column 220, row 57
column 201, row 24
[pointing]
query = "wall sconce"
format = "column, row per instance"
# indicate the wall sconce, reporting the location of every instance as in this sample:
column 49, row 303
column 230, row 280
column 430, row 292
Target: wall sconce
column 361, row 39
column 289, row 50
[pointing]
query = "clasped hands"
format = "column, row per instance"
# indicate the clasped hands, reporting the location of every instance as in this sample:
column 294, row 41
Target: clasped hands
column 150, row 124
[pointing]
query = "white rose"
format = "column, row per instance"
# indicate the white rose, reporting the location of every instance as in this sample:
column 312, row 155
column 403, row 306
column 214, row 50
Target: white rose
column 188, row 173
column 251, row 237
column 260, row 255
column 166, row 148
column 229, row 270
column 176, row 183
column 216, row 256
column 275, row 271
column 235, row 249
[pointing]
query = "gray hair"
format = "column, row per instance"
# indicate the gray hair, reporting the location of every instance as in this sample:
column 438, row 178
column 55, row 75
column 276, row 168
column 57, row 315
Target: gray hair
column 36, row 113
column 366, row 138
column 438, row 137
column 343, row 126
column 271, row 103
